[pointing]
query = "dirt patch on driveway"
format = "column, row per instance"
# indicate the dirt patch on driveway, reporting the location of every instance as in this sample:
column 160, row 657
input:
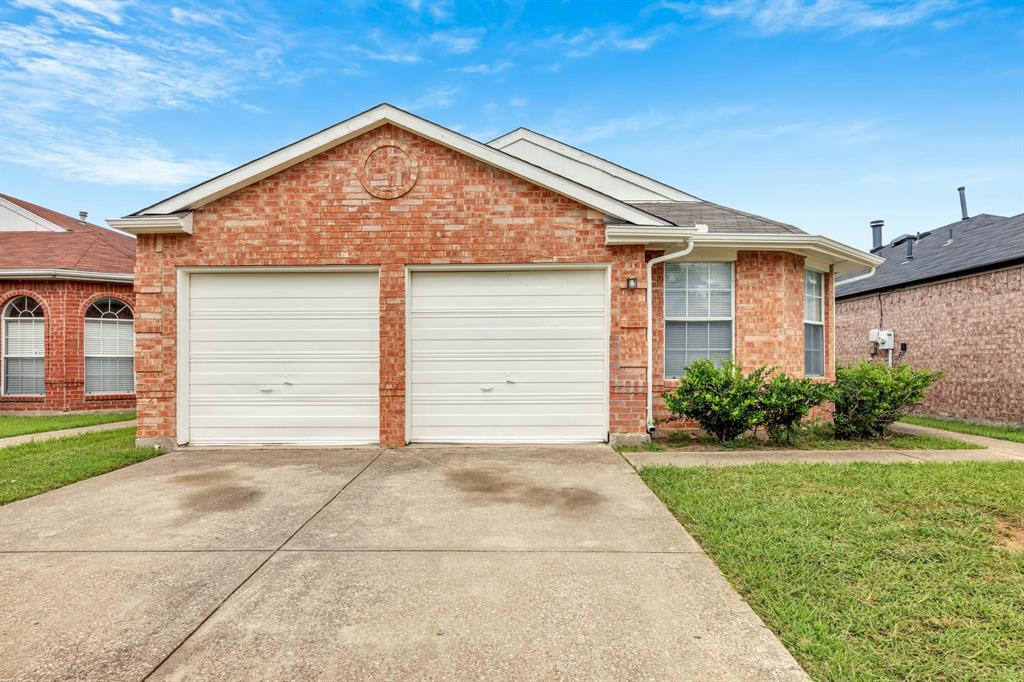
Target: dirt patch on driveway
column 490, row 486
column 217, row 490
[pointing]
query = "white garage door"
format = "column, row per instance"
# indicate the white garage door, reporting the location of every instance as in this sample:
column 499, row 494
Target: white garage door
column 508, row 356
column 283, row 357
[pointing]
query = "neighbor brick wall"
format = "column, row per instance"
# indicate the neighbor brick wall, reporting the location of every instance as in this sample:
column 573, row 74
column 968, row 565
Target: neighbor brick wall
column 64, row 303
column 460, row 211
column 972, row 328
column 769, row 318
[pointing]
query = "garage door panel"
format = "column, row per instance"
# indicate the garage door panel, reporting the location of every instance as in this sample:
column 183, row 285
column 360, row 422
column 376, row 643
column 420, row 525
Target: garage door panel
column 537, row 283
column 283, row 357
column 278, row 350
column 535, row 341
column 505, row 434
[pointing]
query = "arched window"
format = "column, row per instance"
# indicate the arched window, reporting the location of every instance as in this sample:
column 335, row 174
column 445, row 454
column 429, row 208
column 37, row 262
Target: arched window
column 109, row 347
column 23, row 326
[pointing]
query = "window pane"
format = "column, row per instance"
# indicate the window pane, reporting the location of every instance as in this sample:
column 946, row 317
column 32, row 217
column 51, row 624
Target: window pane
column 721, row 304
column 675, row 276
column 109, row 375
column 814, row 350
column 675, row 303
column 720, row 275
column 696, row 275
column 697, row 303
column 720, row 336
column 813, row 295
column 24, row 337
column 23, row 376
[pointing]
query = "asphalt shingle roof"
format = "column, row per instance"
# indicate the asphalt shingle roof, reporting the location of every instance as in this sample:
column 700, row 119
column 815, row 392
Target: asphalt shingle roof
column 83, row 247
column 719, row 219
column 980, row 242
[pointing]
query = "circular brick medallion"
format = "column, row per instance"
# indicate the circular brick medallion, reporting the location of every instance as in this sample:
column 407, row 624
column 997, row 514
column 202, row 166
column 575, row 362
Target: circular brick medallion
column 388, row 172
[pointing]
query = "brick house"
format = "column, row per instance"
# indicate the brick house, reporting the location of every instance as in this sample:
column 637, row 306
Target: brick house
column 66, row 301
column 954, row 298
column 389, row 280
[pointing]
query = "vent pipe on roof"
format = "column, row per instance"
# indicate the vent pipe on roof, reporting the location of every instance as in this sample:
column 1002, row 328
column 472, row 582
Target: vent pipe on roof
column 963, row 202
column 910, row 247
column 876, row 234
column 82, row 215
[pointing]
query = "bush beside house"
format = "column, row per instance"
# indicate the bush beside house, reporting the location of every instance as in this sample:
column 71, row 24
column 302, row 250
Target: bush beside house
column 726, row 403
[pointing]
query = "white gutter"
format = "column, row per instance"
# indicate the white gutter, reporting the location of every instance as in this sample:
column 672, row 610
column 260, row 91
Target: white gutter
column 80, row 275
column 850, row 280
column 650, row 325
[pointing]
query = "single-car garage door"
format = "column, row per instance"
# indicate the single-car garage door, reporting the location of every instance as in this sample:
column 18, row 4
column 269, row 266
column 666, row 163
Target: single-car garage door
column 278, row 357
column 508, row 356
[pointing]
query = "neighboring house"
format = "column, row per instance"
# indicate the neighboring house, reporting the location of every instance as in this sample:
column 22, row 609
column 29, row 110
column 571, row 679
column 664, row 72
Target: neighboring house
column 389, row 280
column 954, row 298
column 66, row 342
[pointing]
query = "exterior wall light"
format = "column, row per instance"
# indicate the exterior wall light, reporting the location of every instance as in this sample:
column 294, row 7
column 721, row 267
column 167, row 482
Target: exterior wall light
column 631, row 282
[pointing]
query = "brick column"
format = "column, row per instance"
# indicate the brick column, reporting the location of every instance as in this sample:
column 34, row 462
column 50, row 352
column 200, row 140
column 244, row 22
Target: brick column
column 392, row 355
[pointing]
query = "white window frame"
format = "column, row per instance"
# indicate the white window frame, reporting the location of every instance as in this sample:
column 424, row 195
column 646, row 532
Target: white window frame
column 666, row 318
column 4, row 321
column 819, row 323
column 86, row 355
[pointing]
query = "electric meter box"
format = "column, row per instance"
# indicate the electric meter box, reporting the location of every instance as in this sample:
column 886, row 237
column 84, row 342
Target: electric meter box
column 885, row 338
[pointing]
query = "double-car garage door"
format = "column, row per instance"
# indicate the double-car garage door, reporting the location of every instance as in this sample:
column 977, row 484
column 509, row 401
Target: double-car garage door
column 516, row 355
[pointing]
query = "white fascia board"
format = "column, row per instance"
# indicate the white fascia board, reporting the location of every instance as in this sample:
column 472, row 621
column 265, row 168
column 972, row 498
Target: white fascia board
column 651, row 235
column 277, row 161
column 846, row 258
column 178, row 223
column 668, row 192
column 78, row 275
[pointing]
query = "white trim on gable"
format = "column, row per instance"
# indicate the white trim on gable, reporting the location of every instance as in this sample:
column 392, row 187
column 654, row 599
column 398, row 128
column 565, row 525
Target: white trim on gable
column 30, row 222
column 281, row 159
column 585, row 168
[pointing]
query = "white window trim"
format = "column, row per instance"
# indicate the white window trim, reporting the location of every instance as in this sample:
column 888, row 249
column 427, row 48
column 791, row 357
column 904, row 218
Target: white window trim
column 85, row 322
column 4, row 319
column 665, row 318
column 820, row 323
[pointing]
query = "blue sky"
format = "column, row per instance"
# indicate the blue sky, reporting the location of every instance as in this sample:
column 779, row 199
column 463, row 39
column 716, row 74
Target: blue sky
column 826, row 114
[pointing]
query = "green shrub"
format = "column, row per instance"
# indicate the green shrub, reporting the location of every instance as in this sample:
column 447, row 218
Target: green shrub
column 783, row 404
column 870, row 396
column 723, row 400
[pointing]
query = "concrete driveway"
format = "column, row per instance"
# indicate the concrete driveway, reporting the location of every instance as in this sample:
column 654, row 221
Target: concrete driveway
column 427, row 562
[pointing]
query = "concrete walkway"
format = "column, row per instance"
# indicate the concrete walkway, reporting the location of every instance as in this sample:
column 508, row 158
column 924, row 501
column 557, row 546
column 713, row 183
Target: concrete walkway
column 426, row 563
column 996, row 451
column 63, row 433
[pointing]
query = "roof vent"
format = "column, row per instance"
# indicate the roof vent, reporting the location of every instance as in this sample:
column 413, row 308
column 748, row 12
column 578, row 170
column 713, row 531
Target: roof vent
column 963, row 202
column 910, row 246
column 876, row 234
column 82, row 215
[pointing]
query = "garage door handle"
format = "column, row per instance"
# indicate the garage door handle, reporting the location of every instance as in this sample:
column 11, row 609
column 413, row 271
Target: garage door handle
column 266, row 389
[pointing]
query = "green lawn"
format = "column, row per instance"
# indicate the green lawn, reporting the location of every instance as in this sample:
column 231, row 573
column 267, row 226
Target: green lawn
column 1001, row 432
column 32, row 468
column 18, row 426
column 811, row 438
column 870, row 571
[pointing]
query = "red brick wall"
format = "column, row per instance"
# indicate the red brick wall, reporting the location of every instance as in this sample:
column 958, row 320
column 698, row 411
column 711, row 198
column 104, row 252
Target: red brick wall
column 64, row 303
column 769, row 318
column 460, row 211
column 971, row 328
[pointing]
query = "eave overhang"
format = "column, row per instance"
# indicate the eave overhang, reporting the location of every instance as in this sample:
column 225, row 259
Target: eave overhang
column 845, row 259
column 174, row 223
column 658, row 236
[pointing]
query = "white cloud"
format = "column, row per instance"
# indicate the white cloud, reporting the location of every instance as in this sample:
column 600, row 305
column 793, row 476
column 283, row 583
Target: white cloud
column 458, row 41
column 438, row 10
column 486, row 69
column 71, row 79
column 589, row 41
column 771, row 17
column 643, row 121
column 433, row 98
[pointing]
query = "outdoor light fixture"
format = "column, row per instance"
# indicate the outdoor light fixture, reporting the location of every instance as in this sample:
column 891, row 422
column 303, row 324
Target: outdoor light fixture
column 631, row 282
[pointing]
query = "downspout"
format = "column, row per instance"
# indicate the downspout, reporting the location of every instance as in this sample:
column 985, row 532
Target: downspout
column 650, row 325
